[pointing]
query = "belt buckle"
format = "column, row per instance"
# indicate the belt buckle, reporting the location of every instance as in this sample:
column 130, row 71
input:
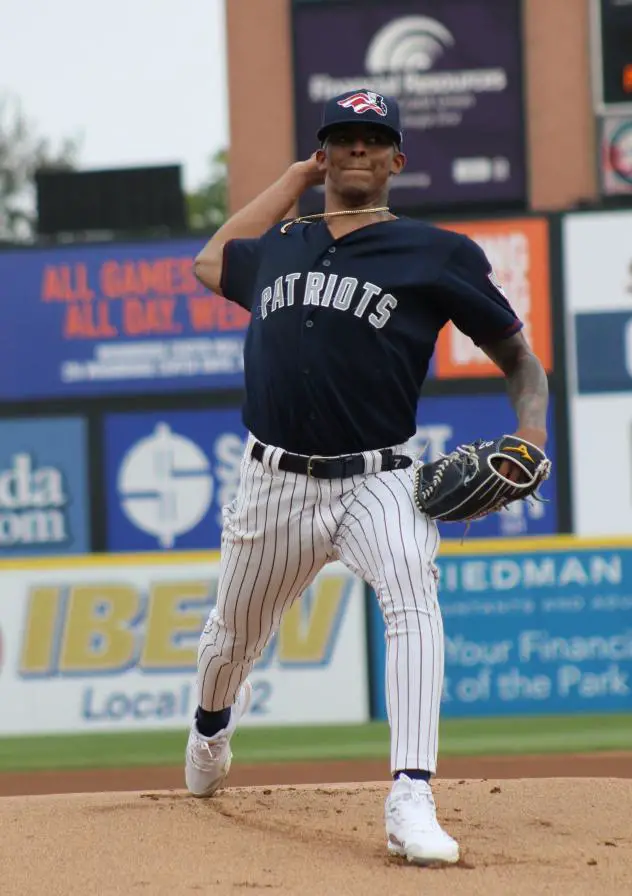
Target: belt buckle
column 310, row 461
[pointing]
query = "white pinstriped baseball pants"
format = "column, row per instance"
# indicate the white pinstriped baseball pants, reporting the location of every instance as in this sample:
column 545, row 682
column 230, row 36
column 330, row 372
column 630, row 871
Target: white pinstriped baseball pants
column 280, row 530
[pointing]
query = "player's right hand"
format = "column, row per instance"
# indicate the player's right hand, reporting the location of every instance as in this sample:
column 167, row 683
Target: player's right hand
column 538, row 438
column 311, row 170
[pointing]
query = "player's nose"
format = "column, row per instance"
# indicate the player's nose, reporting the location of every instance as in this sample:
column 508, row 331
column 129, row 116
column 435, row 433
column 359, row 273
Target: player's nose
column 358, row 147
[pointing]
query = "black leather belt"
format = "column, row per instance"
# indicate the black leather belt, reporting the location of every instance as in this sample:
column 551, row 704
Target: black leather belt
column 332, row 467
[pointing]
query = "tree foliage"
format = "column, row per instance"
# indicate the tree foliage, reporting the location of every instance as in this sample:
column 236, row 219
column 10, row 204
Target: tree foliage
column 207, row 207
column 22, row 153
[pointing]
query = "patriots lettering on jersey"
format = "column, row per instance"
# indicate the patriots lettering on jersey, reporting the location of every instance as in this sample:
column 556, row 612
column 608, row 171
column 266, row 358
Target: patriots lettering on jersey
column 329, row 291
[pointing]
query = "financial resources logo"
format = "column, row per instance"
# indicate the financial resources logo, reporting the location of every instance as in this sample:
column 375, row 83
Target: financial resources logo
column 402, row 60
column 411, row 43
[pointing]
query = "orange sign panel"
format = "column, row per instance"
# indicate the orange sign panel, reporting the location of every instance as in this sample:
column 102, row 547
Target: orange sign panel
column 518, row 250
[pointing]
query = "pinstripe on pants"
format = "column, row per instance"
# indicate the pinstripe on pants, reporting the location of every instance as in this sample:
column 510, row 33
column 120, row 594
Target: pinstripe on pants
column 280, row 530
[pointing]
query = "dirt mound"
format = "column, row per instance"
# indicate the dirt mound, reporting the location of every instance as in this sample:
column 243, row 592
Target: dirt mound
column 520, row 837
column 89, row 780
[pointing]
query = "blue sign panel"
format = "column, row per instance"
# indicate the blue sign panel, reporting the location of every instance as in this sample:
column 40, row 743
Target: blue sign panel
column 604, row 351
column 168, row 475
column 444, row 423
column 114, row 319
column 43, row 487
column 530, row 632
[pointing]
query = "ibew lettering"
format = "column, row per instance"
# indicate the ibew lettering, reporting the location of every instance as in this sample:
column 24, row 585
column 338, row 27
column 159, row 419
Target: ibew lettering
column 329, row 291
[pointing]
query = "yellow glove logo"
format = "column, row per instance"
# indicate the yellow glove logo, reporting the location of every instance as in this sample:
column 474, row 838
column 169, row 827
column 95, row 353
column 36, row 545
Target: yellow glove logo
column 523, row 451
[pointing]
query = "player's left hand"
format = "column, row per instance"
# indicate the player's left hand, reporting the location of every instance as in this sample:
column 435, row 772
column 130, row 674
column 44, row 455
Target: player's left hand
column 529, row 434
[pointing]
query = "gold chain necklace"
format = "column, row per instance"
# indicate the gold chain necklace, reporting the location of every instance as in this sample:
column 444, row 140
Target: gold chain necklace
column 351, row 211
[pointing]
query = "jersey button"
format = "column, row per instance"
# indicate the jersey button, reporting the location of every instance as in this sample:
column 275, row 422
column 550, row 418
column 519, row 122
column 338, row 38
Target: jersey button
column 309, row 323
column 326, row 263
column 332, row 249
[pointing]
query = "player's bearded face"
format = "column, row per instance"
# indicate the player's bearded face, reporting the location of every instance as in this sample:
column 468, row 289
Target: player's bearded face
column 359, row 162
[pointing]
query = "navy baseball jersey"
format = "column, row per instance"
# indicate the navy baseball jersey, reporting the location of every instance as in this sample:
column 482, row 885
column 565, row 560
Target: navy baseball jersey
column 342, row 330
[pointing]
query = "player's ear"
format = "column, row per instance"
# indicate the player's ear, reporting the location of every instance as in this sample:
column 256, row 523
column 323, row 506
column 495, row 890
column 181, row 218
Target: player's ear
column 398, row 163
column 321, row 157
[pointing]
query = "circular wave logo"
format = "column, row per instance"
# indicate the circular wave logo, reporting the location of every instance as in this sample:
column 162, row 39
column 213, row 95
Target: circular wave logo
column 412, row 43
column 165, row 485
column 620, row 152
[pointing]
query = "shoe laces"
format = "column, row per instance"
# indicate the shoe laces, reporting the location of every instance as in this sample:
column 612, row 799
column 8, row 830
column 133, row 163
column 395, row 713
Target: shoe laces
column 205, row 753
column 417, row 804
column 419, row 792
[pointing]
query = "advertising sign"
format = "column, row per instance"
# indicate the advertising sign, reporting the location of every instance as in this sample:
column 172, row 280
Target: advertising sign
column 112, row 646
column 43, row 487
column 615, row 167
column 455, row 69
column 597, row 261
column 518, row 250
column 598, row 297
column 603, row 342
column 114, row 319
column 602, row 492
column 538, row 628
column 444, row 423
column 168, row 475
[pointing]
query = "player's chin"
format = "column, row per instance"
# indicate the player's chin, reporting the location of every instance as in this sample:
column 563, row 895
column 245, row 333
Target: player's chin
column 357, row 191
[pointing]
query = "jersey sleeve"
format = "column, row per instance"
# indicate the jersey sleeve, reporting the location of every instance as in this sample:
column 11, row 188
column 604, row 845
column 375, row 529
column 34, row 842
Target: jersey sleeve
column 240, row 263
column 472, row 297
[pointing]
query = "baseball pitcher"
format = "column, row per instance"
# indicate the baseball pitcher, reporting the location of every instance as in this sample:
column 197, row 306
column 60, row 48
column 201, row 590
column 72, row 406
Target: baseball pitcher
column 346, row 306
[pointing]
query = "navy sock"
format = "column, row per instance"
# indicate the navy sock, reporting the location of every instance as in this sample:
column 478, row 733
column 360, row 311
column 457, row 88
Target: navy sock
column 209, row 723
column 416, row 774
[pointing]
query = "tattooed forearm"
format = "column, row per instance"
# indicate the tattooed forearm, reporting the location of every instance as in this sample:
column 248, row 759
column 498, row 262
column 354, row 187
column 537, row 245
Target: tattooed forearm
column 528, row 391
column 527, row 385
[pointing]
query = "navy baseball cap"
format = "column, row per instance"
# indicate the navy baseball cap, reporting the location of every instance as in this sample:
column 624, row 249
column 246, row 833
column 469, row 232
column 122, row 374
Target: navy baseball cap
column 361, row 106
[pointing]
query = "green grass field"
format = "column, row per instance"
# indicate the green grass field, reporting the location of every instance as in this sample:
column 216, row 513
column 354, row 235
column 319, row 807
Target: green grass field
column 459, row 737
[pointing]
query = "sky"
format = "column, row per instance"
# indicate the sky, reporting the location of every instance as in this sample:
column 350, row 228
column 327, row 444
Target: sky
column 137, row 82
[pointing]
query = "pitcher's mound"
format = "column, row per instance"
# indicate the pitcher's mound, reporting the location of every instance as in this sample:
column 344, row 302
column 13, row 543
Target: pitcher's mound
column 561, row 836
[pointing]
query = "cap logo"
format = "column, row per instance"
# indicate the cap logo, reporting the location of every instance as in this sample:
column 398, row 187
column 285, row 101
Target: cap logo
column 365, row 101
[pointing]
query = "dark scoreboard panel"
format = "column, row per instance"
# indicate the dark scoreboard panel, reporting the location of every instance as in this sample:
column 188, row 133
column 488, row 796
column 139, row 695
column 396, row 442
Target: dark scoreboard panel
column 612, row 23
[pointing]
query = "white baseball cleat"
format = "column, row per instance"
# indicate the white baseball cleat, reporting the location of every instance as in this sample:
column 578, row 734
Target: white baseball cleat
column 208, row 759
column 412, row 827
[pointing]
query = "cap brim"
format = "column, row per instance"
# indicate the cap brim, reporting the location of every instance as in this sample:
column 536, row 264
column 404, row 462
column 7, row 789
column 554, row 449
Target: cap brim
column 322, row 133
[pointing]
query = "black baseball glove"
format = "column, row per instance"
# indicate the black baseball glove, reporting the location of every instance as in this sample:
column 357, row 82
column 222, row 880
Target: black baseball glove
column 466, row 485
